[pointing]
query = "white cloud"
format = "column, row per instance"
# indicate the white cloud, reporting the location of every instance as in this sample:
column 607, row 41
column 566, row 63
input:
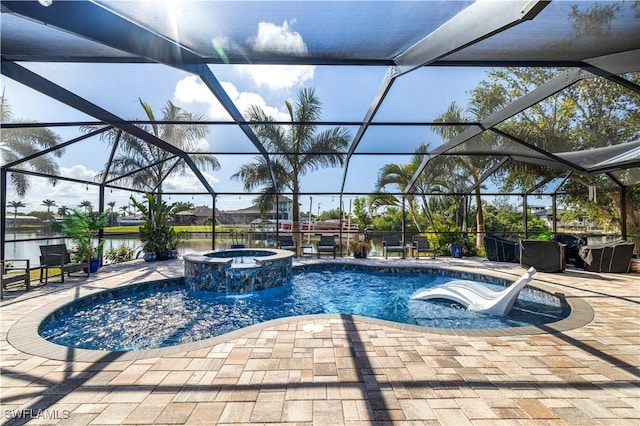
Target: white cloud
column 202, row 145
column 190, row 90
column 64, row 192
column 280, row 39
column 278, row 77
column 188, row 183
column 272, row 38
column 78, row 171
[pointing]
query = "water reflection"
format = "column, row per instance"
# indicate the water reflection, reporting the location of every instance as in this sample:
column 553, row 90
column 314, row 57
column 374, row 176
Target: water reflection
column 31, row 249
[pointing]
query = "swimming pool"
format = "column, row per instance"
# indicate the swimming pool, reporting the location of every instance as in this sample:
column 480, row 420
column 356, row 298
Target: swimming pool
column 130, row 320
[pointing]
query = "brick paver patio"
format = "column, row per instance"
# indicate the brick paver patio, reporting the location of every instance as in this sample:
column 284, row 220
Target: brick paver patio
column 350, row 371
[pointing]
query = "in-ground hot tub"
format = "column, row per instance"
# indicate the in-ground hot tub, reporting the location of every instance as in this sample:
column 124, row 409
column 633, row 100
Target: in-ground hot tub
column 238, row 270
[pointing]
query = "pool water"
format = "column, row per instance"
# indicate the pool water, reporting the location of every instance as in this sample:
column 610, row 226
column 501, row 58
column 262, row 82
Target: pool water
column 175, row 315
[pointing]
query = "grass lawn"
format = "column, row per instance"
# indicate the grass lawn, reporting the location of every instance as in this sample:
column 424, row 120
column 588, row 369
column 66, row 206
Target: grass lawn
column 178, row 228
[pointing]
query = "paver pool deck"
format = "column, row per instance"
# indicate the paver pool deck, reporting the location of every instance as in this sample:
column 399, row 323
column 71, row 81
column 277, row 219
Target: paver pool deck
column 351, row 371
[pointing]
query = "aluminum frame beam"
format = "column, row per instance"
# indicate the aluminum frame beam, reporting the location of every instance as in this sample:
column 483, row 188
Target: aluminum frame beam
column 486, row 175
column 57, row 147
column 39, row 83
column 609, row 64
column 551, row 87
column 473, row 24
column 99, row 24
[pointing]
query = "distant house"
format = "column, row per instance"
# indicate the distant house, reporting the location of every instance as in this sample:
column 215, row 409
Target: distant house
column 19, row 220
column 282, row 211
column 545, row 214
column 201, row 214
column 197, row 216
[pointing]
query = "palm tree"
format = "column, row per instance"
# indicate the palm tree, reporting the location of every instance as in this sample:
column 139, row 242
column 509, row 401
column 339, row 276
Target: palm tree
column 399, row 176
column 63, row 210
column 49, row 204
column 113, row 214
column 293, row 140
column 15, row 205
column 469, row 168
column 125, row 210
column 86, row 205
column 16, row 144
column 146, row 165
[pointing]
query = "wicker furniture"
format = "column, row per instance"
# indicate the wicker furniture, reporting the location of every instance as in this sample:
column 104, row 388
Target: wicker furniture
column 502, row 250
column 285, row 242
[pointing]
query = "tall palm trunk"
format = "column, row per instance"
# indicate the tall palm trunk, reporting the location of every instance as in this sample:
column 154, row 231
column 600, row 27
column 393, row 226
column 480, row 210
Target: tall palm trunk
column 295, row 222
column 413, row 210
column 479, row 220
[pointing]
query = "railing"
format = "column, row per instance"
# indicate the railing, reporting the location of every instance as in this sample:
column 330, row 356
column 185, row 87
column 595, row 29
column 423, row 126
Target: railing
column 27, row 247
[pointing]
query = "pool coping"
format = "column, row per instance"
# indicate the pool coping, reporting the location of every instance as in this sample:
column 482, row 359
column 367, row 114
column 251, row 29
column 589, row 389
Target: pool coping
column 25, row 337
column 201, row 257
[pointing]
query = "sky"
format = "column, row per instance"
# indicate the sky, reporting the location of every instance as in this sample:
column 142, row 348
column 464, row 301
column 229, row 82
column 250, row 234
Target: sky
column 345, row 92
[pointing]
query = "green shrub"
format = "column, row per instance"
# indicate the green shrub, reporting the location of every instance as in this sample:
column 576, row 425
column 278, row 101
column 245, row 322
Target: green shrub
column 120, row 254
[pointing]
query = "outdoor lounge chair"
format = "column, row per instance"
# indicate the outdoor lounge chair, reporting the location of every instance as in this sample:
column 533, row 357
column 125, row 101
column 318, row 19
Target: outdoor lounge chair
column 57, row 256
column 285, row 242
column 12, row 275
column 476, row 297
column 545, row 256
column 392, row 243
column 609, row 257
column 327, row 244
column 421, row 244
column 502, row 250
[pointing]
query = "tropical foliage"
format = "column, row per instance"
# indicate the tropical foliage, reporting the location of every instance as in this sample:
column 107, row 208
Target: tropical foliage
column 300, row 148
column 157, row 234
column 17, row 144
column 15, row 205
column 83, row 227
column 145, row 166
column 122, row 253
column 575, row 119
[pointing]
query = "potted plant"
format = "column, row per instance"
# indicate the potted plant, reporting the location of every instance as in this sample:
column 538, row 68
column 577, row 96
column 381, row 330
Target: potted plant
column 83, row 227
column 160, row 241
column 459, row 246
column 360, row 249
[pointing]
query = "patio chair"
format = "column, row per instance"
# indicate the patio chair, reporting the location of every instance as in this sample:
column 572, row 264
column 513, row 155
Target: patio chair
column 12, row 274
column 392, row 243
column 57, row 256
column 285, row 242
column 421, row 244
column 327, row 244
column 545, row 256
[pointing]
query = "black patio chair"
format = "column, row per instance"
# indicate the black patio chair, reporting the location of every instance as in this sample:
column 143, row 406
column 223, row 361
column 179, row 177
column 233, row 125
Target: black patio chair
column 421, row 244
column 285, row 242
column 57, row 256
column 392, row 243
column 327, row 244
